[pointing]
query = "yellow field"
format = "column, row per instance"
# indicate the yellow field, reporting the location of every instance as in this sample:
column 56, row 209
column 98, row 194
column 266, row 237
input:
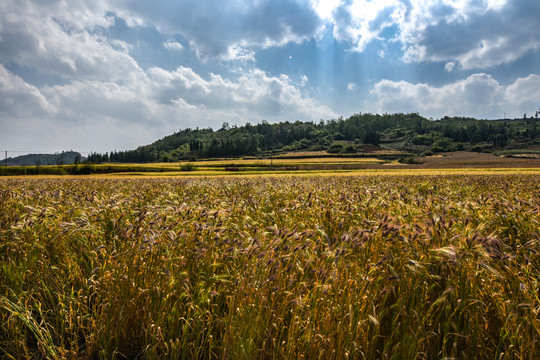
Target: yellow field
column 449, row 163
column 201, row 172
column 291, row 266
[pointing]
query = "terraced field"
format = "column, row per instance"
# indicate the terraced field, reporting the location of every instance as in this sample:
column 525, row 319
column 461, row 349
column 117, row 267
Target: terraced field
column 298, row 163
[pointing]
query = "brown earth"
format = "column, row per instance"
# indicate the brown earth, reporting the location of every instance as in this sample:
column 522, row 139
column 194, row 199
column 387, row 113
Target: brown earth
column 462, row 159
column 454, row 160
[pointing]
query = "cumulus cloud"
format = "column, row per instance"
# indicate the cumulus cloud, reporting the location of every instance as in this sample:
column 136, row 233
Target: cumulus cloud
column 97, row 91
column 449, row 66
column 66, row 81
column 459, row 98
column 479, row 95
column 238, row 53
column 215, row 27
column 479, row 35
column 254, row 94
column 524, row 93
column 361, row 22
column 19, row 99
column 476, row 33
column 95, row 113
column 325, row 8
column 173, row 45
column 56, row 40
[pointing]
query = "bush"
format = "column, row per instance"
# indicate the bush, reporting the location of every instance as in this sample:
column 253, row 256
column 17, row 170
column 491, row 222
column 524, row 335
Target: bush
column 335, row 148
column 422, row 140
column 477, row 148
column 86, row 169
column 407, row 160
column 188, row 167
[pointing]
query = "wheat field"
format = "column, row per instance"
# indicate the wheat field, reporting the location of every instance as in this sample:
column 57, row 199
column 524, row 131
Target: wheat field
column 313, row 267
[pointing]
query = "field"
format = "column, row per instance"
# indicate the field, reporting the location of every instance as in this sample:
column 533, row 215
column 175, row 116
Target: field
column 317, row 267
column 294, row 163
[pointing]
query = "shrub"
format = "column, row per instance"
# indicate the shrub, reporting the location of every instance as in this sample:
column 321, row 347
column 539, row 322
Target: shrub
column 410, row 160
column 86, row 169
column 349, row 149
column 188, row 167
column 335, row 148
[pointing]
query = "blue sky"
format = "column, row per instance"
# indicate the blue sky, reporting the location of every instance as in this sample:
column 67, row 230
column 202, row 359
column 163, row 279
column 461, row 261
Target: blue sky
column 103, row 75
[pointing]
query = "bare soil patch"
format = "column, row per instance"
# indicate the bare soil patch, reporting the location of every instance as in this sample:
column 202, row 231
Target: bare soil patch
column 462, row 159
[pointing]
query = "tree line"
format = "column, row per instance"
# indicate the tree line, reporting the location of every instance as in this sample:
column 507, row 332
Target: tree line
column 407, row 132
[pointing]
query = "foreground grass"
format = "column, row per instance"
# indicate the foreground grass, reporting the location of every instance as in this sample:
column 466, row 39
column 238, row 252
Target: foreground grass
column 414, row 267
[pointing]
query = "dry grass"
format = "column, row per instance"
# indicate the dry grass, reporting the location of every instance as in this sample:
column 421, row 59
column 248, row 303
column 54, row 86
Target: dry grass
column 371, row 267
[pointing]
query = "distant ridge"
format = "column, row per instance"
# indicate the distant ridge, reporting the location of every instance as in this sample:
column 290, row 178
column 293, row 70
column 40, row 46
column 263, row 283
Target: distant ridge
column 63, row 158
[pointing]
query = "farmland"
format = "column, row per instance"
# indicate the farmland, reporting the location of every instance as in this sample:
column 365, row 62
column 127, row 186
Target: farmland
column 297, row 163
column 331, row 267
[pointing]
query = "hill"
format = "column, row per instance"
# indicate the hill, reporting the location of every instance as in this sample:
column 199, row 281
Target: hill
column 64, row 158
column 360, row 133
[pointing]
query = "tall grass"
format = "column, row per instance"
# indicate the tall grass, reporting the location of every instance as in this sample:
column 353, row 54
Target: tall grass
column 384, row 267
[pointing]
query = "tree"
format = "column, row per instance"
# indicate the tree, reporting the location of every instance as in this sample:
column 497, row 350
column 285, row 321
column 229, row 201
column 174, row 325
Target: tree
column 372, row 137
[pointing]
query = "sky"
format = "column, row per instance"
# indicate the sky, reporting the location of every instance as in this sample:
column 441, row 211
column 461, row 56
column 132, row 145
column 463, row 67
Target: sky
column 107, row 75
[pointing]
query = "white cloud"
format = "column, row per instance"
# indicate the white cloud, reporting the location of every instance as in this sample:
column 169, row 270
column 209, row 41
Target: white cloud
column 52, row 41
column 496, row 51
column 361, row 21
column 213, row 28
column 476, row 33
column 100, row 96
column 479, row 95
column 253, row 96
column 238, row 53
column 93, row 114
column 524, row 94
column 65, row 83
column 325, row 8
column 173, row 45
column 19, row 99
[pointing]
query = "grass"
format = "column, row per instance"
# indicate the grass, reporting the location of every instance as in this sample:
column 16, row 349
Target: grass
column 330, row 267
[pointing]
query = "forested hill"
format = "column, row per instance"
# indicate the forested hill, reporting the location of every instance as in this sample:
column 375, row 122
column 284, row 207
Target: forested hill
column 359, row 133
column 63, row 158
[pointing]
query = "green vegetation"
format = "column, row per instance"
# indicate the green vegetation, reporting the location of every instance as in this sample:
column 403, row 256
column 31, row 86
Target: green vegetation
column 414, row 267
column 207, row 167
column 77, row 169
column 63, row 158
column 361, row 133
column 188, row 167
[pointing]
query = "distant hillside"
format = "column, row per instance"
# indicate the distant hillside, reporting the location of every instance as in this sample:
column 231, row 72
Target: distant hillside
column 64, row 158
column 360, row 133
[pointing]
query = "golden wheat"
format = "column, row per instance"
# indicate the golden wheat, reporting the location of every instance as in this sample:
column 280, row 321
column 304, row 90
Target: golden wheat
column 371, row 267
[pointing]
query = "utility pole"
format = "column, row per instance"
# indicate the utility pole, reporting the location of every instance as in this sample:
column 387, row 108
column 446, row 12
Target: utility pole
column 5, row 164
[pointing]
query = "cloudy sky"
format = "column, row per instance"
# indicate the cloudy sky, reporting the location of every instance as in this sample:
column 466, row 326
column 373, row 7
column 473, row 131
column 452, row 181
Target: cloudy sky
column 115, row 74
